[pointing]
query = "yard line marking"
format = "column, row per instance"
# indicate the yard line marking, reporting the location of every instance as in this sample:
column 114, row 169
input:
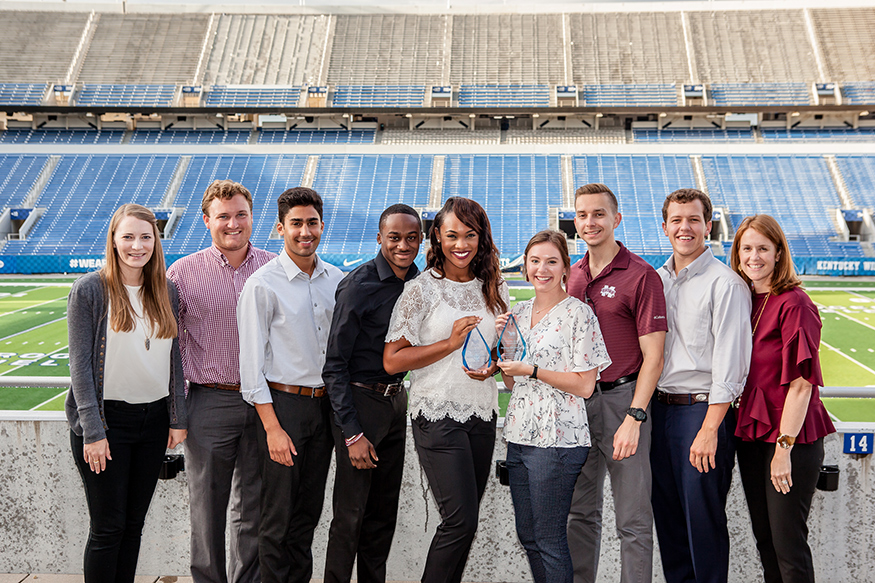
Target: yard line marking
column 29, row 307
column 858, row 363
column 47, row 401
column 822, row 307
column 31, row 329
column 831, row 416
column 28, row 364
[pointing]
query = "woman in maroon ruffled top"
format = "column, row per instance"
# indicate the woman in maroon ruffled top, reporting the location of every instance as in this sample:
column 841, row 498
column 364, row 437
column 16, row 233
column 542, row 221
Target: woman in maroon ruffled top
column 781, row 420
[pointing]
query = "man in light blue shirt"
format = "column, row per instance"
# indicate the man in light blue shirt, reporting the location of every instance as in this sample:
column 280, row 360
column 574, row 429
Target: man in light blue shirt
column 283, row 318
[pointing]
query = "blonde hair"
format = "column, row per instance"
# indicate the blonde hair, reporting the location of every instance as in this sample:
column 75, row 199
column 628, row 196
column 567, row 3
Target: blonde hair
column 154, row 295
column 784, row 276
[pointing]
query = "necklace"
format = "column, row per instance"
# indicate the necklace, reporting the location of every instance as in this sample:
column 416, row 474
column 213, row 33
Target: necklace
column 762, row 309
column 546, row 307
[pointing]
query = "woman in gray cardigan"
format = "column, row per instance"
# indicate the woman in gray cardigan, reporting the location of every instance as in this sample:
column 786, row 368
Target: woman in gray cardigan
column 126, row 404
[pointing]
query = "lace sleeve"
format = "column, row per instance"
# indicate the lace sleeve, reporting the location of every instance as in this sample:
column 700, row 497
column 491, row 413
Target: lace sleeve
column 408, row 314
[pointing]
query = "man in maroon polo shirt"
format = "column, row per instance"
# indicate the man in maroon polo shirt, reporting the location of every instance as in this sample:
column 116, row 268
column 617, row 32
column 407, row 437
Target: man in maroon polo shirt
column 626, row 294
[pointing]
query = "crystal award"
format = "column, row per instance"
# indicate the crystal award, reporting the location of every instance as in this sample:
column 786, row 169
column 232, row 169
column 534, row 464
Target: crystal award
column 476, row 354
column 511, row 345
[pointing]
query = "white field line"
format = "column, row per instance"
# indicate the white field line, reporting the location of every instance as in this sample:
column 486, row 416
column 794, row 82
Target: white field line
column 858, row 363
column 23, row 365
column 32, row 329
column 29, row 307
column 61, row 394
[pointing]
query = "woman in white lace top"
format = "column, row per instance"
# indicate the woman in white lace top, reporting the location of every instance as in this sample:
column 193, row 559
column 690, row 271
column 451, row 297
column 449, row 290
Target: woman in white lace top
column 453, row 409
column 546, row 427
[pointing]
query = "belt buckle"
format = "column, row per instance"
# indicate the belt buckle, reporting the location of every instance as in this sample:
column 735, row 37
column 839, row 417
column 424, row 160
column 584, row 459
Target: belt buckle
column 392, row 389
column 700, row 398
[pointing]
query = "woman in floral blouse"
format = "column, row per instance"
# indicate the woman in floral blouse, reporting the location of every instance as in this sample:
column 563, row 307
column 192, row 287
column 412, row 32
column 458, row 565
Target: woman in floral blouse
column 545, row 427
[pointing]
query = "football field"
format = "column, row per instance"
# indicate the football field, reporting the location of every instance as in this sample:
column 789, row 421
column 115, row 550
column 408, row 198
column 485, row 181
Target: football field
column 33, row 340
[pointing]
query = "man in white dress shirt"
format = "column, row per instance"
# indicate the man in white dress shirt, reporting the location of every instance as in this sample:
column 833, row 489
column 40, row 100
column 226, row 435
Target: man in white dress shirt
column 707, row 358
column 283, row 318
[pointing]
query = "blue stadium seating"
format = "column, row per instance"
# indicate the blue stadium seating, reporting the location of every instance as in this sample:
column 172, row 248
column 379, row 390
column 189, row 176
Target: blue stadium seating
column 17, row 175
column 760, row 94
column 692, row 135
column 52, row 136
column 126, row 95
column 504, row 95
column 516, row 192
column 629, row 95
column 266, row 177
column 641, row 184
column 81, row 196
column 356, row 189
column 378, row 96
column 862, row 93
column 21, row 93
column 316, row 137
column 866, row 134
column 859, row 175
column 190, row 137
column 252, row 96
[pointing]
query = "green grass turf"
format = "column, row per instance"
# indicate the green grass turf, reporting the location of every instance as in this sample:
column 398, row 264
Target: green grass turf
column 24, row 398
column 854, row 410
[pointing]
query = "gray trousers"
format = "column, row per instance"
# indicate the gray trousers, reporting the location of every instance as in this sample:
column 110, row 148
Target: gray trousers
column 221, row 460
column 630, row 483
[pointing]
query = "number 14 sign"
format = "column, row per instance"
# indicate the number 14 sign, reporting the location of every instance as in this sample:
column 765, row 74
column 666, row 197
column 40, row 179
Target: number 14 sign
column 859, row 443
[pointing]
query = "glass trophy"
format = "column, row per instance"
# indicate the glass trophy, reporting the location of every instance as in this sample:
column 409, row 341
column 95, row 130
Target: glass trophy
column 511, row 345
column 476, row 354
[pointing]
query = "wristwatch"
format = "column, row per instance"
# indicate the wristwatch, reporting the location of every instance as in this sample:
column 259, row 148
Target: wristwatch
column 785, row 441
column 637, row 414
column 534, row 374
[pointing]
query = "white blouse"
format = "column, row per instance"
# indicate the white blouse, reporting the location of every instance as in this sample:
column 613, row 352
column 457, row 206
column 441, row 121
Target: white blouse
column 424, row 314
column 567, row 339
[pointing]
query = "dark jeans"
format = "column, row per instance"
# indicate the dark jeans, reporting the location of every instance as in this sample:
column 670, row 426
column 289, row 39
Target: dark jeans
column 689, row 508
column 457, row 459
column 291, row 497
column 541, row 485
column 366, row 501
column 119, row 497
column 780, row 521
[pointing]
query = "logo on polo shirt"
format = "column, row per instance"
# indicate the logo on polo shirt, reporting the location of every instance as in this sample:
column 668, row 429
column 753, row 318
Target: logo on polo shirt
column 609, row 291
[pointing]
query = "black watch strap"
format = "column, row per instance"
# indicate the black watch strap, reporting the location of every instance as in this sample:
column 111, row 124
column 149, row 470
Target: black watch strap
column 534, row 374
column 637, row 414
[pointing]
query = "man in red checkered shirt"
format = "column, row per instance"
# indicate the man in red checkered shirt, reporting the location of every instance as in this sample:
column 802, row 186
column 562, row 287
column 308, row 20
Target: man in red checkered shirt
column 221, row 453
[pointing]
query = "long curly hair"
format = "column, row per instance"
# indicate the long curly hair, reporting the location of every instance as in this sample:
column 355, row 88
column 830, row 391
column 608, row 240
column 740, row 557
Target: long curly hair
column 484, row 266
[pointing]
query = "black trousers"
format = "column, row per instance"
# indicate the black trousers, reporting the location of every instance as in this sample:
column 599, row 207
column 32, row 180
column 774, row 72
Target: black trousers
column 457, row 459
column 366, row 501
column 119, row 497
column 291, row 497
column 780, row 521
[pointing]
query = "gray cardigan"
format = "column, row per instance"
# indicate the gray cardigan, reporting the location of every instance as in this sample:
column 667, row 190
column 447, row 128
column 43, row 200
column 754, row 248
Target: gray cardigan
column 86, row 329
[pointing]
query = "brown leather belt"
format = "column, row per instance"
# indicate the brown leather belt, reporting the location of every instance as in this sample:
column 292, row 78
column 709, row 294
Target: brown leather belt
column 221, row 386
column 681, row 398
column 386, row 390
column 297, row 389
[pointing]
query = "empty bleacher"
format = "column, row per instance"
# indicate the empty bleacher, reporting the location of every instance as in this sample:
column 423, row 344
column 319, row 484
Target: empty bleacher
column 641, row 184
column 22, row 93
column 693, row 135
column 266, row 177
column 170, row 136
column 38, row 46
column 864, row 134
column 83, row 193
column 490, row 49
column 53, row 136
column 112, row 94
column 356, row 189
column 388, row 49
column 316, row 137
column 858, row 173
column 504, row 96
column 797, row 190
column 151, row 49
column 760, row 94
column 845, row 39
column 627, row 48
column 253, row 96
column 17, row 176
column 629, row 95
column 516, row 192
column 862, row 92
column 266, row 49
column 566, row 136
column 442, row 136
column 751, row 46
column 378, row 96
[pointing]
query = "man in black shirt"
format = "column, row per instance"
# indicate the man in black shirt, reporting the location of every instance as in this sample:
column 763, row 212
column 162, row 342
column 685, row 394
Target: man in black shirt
column 370, row 405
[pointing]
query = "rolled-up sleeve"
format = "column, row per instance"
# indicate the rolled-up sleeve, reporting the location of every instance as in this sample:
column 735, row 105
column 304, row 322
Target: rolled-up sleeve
column 730, row 327
column 254, row 314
